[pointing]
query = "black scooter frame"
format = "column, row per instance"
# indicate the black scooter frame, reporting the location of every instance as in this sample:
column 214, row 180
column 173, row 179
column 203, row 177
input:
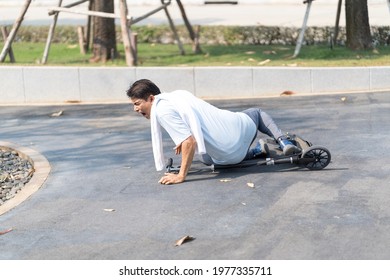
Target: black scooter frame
column 311, row 157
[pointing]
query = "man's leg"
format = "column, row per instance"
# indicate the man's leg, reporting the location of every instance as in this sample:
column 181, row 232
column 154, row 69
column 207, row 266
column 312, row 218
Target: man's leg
column 266, row 125
column 206, row 159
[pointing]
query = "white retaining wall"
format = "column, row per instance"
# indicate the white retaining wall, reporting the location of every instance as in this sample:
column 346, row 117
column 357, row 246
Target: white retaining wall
column 36, row 85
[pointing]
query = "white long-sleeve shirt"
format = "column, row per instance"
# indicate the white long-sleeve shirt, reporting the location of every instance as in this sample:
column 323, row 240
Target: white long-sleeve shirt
column 224, row 135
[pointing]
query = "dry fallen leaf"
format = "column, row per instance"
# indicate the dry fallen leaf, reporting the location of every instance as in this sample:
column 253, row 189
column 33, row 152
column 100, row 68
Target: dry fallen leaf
column 184, row 239
column 287, row 92
column 4, row 177
column 264, row 62
column 269, row 52
column 251, row 185
column 6, row 231
column 225, row 180
column 57, row 114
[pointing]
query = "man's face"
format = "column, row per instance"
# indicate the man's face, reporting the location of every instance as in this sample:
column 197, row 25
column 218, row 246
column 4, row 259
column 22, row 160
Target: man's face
column 143, row 107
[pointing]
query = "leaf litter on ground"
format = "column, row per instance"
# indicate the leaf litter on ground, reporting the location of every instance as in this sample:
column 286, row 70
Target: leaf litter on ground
column 184, row 239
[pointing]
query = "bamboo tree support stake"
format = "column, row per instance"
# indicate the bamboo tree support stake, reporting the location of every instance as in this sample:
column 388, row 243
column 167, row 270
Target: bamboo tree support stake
column 89, row 35
column 129, row 51
column 193, row 35
column 51, row 34
column 336, row 27
column 172, row 25
column 11, row 37
column 4, row 31
column 134, row 45
column 69, row 6
column 82, row 43
column 303, row 29
column 196, row 45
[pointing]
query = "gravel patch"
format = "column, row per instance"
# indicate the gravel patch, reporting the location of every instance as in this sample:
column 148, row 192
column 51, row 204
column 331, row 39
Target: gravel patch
column 15, row 172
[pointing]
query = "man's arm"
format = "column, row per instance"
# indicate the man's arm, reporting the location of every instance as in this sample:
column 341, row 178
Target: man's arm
column 187, row 150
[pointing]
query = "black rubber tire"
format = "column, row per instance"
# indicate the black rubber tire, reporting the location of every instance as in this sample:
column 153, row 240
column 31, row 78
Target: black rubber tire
column 321, row 155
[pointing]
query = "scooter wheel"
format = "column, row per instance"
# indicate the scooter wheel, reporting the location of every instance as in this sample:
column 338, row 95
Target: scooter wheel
column 316, row 158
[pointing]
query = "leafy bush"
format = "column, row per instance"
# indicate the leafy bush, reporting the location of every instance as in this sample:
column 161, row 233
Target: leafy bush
column 210, row 35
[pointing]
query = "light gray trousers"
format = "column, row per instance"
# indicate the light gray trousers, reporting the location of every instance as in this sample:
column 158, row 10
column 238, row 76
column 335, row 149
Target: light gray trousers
column 264, row 123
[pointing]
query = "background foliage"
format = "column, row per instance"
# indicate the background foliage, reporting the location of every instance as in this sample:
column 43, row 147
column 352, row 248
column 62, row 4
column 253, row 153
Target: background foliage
column 211, row 35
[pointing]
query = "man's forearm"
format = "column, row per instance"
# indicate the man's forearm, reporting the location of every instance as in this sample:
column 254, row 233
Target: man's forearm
column 187, row 151
column 188, row 147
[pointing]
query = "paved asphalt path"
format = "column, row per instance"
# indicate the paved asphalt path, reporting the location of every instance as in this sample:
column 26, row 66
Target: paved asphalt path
column 101, row 159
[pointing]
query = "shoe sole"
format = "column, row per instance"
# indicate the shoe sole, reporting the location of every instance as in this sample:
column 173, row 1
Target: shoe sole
column 291, row 150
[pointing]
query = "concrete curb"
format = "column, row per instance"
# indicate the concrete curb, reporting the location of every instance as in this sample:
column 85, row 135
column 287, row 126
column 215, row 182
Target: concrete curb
column 42, row 170
column 40, row 85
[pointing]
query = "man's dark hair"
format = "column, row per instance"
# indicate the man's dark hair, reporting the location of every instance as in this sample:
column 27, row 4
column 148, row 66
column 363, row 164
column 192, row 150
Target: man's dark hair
column 142, row 89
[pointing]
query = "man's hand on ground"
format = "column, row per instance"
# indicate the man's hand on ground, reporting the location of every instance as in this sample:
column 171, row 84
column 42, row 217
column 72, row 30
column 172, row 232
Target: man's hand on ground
column 187, row 151
column 171, row 178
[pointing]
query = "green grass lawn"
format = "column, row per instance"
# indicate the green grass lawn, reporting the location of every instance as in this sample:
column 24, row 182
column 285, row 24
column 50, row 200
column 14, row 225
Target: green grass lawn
column 213, row 55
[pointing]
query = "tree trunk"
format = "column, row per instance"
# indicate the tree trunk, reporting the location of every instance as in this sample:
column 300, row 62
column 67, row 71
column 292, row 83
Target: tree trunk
column 104, row 40
column 357, row 25
column 194, row 36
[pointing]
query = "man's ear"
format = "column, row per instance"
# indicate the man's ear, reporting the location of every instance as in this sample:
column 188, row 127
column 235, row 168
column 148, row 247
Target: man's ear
column 151, row 98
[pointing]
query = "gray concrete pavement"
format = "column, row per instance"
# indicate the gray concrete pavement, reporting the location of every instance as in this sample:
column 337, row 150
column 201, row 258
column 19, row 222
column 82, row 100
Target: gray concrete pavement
column 101, row 158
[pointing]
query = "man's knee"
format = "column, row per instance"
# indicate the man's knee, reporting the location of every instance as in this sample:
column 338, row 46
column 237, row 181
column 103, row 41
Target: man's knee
column 254, row 114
